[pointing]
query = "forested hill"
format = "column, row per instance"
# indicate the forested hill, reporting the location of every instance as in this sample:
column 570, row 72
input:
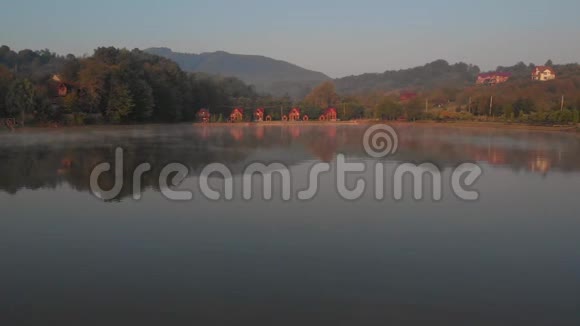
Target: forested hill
column 432, row 75
column 271, row 76
column 111, row 86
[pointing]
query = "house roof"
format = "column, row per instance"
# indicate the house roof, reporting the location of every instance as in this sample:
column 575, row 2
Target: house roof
column 407, row 95
column 494, row 74
column 539, row 69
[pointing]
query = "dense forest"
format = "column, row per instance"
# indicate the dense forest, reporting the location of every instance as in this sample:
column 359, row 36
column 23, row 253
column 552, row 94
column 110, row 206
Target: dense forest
column 111, row 86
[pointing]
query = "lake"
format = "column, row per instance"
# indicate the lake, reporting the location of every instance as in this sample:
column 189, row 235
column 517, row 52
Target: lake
column 511, row 257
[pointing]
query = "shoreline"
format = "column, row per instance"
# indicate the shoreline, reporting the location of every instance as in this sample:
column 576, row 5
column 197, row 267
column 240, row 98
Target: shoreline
column 458, row 124
column 429, row 123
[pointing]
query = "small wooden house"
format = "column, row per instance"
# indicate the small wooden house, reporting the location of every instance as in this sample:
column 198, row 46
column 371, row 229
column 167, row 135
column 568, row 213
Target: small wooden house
column 329, row 114
column 60, row 88
column 63, row 90
column 259, row 114
column 203, row 115
column 294, row 114
column 237, row 115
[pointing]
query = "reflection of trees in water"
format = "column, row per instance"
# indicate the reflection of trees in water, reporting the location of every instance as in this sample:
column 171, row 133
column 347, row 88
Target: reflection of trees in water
column 53, row 159
column 48, row 163
column 537, row 152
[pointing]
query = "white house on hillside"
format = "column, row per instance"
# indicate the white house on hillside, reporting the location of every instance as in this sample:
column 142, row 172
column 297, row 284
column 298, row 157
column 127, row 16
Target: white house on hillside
column 543, row 73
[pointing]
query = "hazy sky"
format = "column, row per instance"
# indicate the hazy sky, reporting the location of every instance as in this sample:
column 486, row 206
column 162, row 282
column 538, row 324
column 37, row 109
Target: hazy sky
column 335, row 37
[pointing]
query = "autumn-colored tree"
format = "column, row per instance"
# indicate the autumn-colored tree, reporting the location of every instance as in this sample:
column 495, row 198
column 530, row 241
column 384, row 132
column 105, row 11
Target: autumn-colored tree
column 323, row 96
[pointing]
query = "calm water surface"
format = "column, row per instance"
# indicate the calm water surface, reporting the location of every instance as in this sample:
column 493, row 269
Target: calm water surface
column 68, row 258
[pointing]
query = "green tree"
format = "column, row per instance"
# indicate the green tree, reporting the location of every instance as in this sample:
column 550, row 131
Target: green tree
column 523, row 106
column 120, row 103
column 5, row 80
column 71, row 103
column 20, row 99
column 143, row 100
column 508, row 113
column 388, row 109
column 415, row 108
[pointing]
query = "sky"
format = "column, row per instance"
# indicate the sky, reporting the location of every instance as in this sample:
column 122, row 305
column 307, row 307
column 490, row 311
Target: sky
column 339, row 38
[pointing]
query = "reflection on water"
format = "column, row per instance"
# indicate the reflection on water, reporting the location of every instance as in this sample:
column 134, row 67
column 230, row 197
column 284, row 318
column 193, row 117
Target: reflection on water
column 45, row 159
column 510, row 258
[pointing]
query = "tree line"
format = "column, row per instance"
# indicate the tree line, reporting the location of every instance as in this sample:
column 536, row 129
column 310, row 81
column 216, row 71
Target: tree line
column 111, row 86
column 518, row 100
column 131, row 86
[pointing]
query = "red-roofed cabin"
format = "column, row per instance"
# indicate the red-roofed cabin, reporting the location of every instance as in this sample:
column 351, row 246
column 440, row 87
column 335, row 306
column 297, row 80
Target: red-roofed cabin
column 237, row 115
column 543, row 73
column 63, row 90
column 329, row 114
column 259, row 114
column 294, row 114
column 493, row 78
column 407, row 96
column 203, row 115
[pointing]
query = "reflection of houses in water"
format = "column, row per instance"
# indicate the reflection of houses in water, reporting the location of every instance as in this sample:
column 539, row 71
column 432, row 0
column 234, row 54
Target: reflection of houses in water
column 237, row 133
column 540, row 164
column 448, row 149
column 65, row 166
column 50, row 159
column 259, row 132
column 323, row 145
column 493, row 156
column 294, row 131
column 204, row 132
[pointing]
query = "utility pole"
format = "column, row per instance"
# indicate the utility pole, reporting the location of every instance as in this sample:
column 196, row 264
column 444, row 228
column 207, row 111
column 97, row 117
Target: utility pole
column 491, row 106
column 469, row 105
column 562, row 104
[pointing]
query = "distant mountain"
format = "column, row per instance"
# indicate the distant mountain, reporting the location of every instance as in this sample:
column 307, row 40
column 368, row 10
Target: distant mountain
column 268, row 75
column 435, row 74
